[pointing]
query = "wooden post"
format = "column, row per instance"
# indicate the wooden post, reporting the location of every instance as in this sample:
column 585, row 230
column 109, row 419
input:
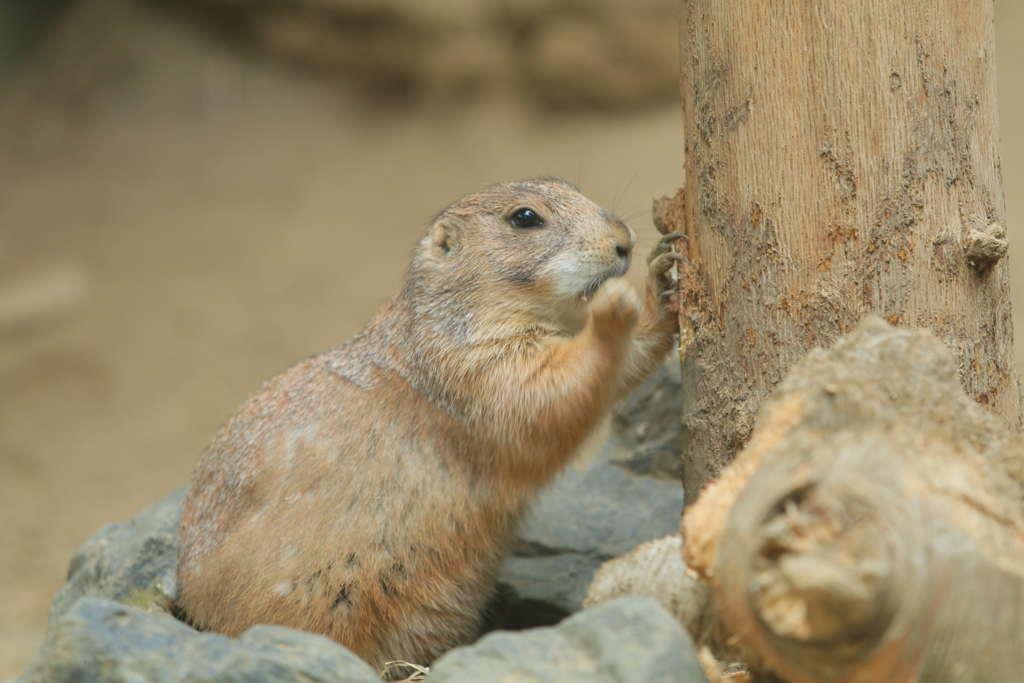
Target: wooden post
column 841, row 159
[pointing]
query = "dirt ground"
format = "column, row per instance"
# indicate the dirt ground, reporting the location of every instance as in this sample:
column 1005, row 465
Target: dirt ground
column 179, row 222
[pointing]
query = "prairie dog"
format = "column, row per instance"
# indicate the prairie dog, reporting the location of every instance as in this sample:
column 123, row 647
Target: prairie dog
column 368, row 494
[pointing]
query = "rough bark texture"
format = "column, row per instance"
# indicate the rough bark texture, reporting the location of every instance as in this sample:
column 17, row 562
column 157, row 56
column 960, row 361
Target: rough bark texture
column 873, row 528
column 841, row 159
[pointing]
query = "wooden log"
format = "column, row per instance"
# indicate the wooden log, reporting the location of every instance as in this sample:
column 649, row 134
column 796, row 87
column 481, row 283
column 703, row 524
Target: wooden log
column 872, row 531
column 841, row 159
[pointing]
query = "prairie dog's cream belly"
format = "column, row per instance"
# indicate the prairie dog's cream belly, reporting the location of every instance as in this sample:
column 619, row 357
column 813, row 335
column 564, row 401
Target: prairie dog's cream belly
column 368, row 494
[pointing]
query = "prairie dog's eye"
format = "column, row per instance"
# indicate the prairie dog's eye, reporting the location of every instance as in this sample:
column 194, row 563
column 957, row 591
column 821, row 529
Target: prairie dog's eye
column 526, row 218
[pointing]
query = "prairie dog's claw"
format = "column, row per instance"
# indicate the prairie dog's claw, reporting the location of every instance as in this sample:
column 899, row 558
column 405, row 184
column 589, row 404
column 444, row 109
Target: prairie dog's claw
column 666, row 261
column 662, row 278
column 664, row 245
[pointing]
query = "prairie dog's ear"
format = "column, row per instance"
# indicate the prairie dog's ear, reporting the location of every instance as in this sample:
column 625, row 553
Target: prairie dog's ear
column 445, row 237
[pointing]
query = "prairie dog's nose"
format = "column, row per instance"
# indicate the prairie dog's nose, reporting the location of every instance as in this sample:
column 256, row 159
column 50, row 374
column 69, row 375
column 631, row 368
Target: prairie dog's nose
column 623, row 249
column 625, row 237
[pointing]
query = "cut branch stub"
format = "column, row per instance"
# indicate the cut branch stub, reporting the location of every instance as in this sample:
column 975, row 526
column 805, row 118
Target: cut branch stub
column 667, row 213
column 873, row 529
column 985, row 247
column 821, row 564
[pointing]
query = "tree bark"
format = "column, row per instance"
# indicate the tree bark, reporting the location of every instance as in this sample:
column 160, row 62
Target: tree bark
column 841, row 159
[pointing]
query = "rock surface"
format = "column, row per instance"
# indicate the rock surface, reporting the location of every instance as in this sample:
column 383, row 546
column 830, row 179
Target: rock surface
column 626, row 640
column 100, row 640
column 646, row 435
column 631, row 639
column 131, row 563
column 585, row 519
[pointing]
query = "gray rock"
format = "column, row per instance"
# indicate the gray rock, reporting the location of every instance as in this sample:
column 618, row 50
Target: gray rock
column 626, row 640
column 132, row 563
column 601, row 511
column 583, row 520
column 100, row 640
column 646, row 436
column 556, row 584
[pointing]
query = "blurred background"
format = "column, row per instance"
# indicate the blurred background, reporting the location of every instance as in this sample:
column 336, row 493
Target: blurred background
column 195, row 194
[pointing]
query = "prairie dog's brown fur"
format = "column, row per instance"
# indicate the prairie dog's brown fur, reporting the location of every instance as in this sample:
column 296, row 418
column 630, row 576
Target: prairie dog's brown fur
column 368, row 494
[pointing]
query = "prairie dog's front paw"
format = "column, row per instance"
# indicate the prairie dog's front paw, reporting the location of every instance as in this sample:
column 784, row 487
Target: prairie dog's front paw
column 615, row 308
column 662, row 287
